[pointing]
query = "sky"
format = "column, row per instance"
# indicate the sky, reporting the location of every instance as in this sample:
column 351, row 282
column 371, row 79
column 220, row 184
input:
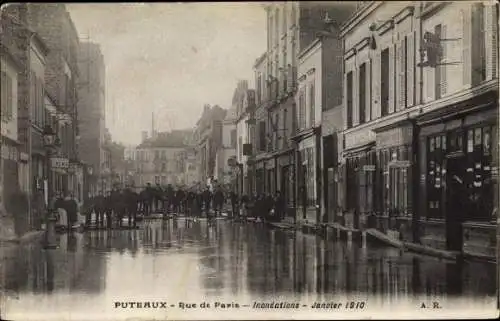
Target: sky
column 170, row 59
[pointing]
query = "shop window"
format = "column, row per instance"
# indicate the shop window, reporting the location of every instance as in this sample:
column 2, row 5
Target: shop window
column 478, row 174
column 435, row 175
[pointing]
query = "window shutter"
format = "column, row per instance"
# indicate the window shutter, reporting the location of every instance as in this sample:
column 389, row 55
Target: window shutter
column 444, row 44
column 10, row 107
column 491, row 42
column 466, row 42
column 410, row 65
column 392, row 75
column 400, row 64
column 376, row 86
column 368, row 91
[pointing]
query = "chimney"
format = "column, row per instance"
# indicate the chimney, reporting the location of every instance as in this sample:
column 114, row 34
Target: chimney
column 206, row 107
column 144, row 136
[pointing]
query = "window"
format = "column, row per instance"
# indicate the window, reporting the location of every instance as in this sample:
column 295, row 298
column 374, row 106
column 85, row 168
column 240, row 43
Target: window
column 276, row 130
column 350, row 95
column 302, row 110
column 163, row 155
column 402, row 61
column 362, row 93
column 163, row 167
column 157, row 155
column 262, row 136
column 435, row 175
column 240, row 147
column 384, row 82
column 438, row 71
column 233, row 138
column 259, row 89
column 6, row 94
column 157, row 179
column 312, row 98
column 479, row 44
column 285, row 130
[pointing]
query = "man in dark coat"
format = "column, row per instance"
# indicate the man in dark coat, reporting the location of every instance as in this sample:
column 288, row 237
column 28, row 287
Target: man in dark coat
column 131, row 199
column 108, row 209
column 234, row 204
column 218, row 200
column 158, row 197
column 117, row 201
column 207, row 200
column 71, row 208
column 180, row 195
column 149, row 193
column 170, row 193
column 279, row 206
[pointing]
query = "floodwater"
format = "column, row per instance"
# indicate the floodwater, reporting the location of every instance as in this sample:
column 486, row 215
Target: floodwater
column 93, row 273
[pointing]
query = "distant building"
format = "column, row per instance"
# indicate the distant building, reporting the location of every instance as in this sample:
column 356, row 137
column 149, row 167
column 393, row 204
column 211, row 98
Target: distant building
column 157, row 159
column 223, row 172
column 208, row 139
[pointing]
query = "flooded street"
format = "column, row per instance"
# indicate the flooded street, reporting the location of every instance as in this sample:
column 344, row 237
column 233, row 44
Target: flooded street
column 232, row 263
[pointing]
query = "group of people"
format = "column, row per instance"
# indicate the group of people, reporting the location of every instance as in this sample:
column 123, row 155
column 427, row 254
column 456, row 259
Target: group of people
column 121, row 203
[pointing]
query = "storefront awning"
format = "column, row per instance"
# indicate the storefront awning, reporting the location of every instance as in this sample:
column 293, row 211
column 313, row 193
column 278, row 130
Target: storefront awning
column 358, row 149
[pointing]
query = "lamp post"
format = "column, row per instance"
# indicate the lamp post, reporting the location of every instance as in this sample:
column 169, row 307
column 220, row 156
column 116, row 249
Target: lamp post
column 50, row 141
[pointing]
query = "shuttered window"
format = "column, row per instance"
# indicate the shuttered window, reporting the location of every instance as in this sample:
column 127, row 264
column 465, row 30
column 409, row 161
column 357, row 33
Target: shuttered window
column 437, row 70
column 302, row 110
column 392, row 79
column 6, row 92
column 479, row 52
column 384, row 83
column 349, row 99
column 410, row 69
column 362, row 93
column 491, row 35
column 376, row 85
column 444, row 53
column 401, row 59
column 312, row 104
column 466, row 42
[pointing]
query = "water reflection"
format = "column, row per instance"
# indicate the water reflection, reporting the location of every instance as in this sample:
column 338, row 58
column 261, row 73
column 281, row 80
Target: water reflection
column 229, row 260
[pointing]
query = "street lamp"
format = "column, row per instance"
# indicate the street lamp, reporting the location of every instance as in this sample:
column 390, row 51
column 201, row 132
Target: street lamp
column 50, row 142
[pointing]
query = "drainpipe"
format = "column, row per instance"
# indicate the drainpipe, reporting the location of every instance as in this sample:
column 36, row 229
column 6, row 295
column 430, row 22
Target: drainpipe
column 415, row 142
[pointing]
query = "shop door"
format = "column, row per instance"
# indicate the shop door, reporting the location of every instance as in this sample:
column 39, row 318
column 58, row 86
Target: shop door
column 456, row 202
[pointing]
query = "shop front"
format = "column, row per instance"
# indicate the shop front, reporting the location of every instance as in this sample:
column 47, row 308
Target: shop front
column 286, row 179
column 307, row 178
column 459, row 171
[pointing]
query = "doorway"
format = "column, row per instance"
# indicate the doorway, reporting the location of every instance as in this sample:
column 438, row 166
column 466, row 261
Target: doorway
column 456, row 201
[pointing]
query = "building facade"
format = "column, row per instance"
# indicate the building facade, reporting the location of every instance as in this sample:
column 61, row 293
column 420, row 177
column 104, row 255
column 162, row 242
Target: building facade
column 420, row 125
column 208, row 139
column 9, row 160
column 157, row 161
column 223, row 172
column 318, row 98
column 91, row 111
column 54, row 25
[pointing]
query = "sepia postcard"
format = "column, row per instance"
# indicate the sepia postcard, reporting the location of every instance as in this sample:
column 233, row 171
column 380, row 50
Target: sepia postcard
column 249, row 161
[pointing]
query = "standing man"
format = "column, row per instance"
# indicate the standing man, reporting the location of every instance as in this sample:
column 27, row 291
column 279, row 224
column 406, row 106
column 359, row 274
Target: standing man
column 117, row 204
column 149, row 194
column 108, row 209
column 234, row 204
column 218, row 201
column 207, row 199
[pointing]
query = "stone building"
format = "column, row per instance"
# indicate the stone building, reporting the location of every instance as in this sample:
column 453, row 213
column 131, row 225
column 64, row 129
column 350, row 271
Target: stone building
column 318, row 98
column 157, row 160
column 91, row 111
column 223, row 173
column 207, row 140
column 420, row 121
